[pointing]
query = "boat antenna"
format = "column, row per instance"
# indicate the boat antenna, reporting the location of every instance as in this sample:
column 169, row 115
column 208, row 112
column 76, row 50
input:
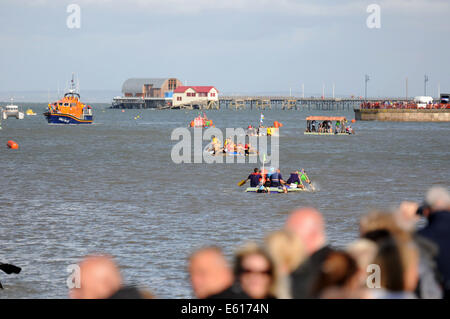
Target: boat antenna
column 72, row 84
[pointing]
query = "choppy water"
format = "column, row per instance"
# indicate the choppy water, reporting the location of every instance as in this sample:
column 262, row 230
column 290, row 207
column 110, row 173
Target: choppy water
column 112, row 187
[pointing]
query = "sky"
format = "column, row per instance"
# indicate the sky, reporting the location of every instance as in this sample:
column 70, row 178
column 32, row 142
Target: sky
column 239, row 46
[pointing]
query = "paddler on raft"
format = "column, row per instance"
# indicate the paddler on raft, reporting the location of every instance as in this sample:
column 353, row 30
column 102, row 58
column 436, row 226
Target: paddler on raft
column 276, row 180
column 295, row 180
column 216, row 145
column 255, row 178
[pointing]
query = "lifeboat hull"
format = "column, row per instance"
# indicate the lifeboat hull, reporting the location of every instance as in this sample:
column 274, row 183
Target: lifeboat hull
column 67, row 119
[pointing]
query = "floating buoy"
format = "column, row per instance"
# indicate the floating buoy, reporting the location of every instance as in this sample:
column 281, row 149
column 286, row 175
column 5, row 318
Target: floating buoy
column 277, row 124
column 123, row 111
column 353, row 121
column 13, row 145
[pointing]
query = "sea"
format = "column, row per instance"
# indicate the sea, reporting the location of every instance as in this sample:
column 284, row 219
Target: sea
column 112, row 187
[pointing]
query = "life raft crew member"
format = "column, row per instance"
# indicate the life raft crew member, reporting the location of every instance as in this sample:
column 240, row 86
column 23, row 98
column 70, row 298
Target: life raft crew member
column 276, row 180
column 255, row 178
column 304, row 177
column 295, row 179
column 215, row 144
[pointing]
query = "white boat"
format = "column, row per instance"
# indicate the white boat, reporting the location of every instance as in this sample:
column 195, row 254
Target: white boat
column 12, row 110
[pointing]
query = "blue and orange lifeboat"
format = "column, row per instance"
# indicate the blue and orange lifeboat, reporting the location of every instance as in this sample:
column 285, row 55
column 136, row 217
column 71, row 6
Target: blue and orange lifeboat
column 69, row 110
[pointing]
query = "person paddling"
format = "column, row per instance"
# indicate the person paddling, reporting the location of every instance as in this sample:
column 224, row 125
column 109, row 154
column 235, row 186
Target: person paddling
column 305, row 178
column 276, row 180
column 295, row 179
column 254, row 178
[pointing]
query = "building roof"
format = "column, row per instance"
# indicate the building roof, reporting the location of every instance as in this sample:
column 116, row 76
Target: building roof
column 134, row 85
column 325, row 118
column 198, row 89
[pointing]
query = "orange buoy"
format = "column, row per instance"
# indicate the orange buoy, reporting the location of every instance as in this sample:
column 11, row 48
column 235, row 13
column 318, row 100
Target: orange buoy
column 353, row 121
column 192, row 124
column 13, row 145
column 276, row 124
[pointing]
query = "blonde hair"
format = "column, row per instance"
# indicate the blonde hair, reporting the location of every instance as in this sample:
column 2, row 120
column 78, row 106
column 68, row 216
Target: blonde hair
column 287, row 252
column 286, row 249
column 363, row 251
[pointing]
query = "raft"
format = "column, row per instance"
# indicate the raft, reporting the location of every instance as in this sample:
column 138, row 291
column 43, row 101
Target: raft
column 316, row 133
column 276, row 190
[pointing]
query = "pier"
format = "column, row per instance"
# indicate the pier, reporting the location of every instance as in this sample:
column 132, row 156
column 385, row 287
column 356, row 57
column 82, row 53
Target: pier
column 253, row 102
column 403, row 115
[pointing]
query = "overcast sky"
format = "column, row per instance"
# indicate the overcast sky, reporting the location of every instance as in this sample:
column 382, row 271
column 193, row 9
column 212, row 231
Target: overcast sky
column 252, row 46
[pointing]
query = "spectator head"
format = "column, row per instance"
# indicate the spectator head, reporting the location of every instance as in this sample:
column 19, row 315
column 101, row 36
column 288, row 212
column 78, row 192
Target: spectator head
column 255, row 271
column 437, row 199
column 286, row 250
column 338, row 271
column 209, row 272
column 308, row 225
column 287, row 253
column 256, row 170
column 99, row 278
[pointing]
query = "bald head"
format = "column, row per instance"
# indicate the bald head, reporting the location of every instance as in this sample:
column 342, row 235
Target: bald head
column 99, row 278
column 308, row 225
column 209, row 272
column 438, row 198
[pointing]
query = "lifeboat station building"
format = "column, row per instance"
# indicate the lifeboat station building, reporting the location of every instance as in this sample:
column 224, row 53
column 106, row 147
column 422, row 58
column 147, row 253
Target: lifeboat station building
column 146, row 93
column 195, row 96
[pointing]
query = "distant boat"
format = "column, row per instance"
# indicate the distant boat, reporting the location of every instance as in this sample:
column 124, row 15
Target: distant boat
column 12, row 110
column 30, row 112
column 69, row 109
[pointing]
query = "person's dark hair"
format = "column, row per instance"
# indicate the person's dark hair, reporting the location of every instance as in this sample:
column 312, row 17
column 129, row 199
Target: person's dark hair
column 335, row 271
column 252, row 250
column 256, row 170
column 377, row 235
column 391, row 265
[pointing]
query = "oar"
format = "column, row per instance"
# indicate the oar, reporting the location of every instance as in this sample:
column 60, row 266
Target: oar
column 242, row 182
column 10, row 269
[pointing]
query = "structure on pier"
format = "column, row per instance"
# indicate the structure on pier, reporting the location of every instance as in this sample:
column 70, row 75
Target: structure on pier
column 139, row 93
column 195, row 97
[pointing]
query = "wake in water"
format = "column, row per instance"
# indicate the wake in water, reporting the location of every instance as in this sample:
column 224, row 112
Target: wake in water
column 314, row 187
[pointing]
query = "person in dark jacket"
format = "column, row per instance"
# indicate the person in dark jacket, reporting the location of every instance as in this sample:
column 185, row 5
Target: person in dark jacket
column 308, row 225
column 254, row 178
column 430, row 279
column 437, row 211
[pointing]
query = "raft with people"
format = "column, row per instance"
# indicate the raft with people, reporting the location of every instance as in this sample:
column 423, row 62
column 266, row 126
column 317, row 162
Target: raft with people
column 274, row 190
column 323, row 125
column 271, row 181
column 229, row 148
column 261, row 130
column 201, row 121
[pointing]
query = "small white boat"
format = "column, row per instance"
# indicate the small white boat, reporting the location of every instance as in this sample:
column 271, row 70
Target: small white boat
column 12, row 110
